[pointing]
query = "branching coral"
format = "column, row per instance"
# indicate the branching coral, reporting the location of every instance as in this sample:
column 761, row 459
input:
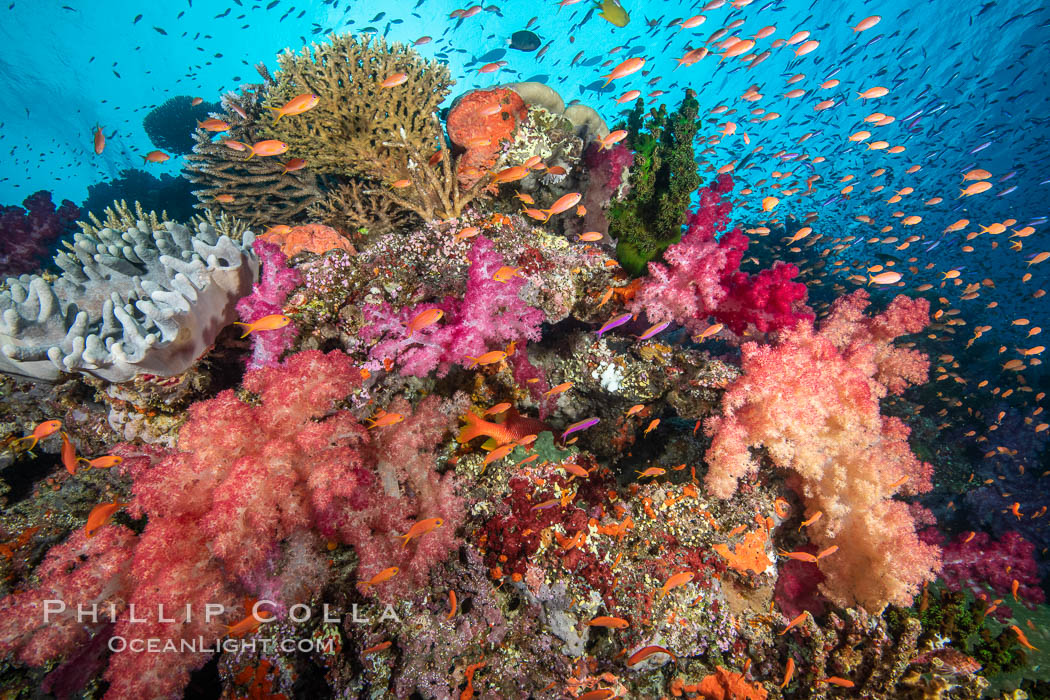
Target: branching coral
column 701, row 278
column 346, row 208
column 262, row 192
column 148, row 298
column 27, row 233
column 360, row 128
column 816, row 412
column 662, row 182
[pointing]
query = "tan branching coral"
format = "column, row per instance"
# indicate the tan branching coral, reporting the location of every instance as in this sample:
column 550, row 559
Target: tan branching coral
column 258, row 191
column 359, row 128
column 346, row 208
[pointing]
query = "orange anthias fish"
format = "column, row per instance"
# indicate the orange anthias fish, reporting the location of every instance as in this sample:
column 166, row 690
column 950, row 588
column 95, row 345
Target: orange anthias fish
column 617, row 623
column 41, row 431
column 100, row 140
column 266, row 323
column 424, row 319
column 679, row 579
column 512, row 427
column 421, row 528
column 394, row 80
column 155, row 157
column 383, row 419
column 381, row 577
column 248, row 624
column 103, row 462
column 564, row 386
column 69, row 455
column 645, row 652
column 213, row 125
column 564, row 203
column 489, row 358
column 505, row 273
column 269, row 147
column 100, row 515
column 296, row 105
column 631, row 65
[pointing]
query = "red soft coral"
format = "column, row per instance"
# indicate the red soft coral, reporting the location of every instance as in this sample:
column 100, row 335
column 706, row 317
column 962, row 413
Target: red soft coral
column 974, row 562
column 817, row 413
column 87, row 571
column 702, row 278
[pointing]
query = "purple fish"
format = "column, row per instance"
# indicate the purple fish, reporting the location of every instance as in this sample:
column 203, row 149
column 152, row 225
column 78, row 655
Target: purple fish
column 654, row 330
column 1006, row 191
column 983, row 146
column 614, row 322
column 579, row 425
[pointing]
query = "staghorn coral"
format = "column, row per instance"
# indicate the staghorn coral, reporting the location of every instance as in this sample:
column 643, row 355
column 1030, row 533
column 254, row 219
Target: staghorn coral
column 361, row 129
column 817, row 414
column 263, row 193
column 148, row 297
column 27, row 232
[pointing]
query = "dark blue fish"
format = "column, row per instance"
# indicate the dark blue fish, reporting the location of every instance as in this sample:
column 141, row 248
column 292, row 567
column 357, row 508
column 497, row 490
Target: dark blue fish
column 524, row 41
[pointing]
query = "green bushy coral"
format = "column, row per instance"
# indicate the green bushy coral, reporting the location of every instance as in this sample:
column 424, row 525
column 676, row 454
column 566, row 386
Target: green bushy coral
column 662, row 182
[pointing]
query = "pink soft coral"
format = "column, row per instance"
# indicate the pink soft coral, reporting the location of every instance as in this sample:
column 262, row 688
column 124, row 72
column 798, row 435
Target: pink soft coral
column 817, row 413
column 243, row 506
column 276, row 281
column 489, row 315
column 702, row 278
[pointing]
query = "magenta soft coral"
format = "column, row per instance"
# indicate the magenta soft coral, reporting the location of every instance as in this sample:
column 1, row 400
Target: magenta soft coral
column 276, row 281
column 978, row 561
column 489, row 316
column 817, row 413
column 27, row 232
column 702, row 278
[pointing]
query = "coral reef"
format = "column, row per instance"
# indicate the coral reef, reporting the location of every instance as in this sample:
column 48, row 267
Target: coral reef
column 28, row 232
column 346, row 208
column 314, row 238
column 276, row 281
column 170, row 125
column 171, row 195
column 148, row 298
column 480, row 133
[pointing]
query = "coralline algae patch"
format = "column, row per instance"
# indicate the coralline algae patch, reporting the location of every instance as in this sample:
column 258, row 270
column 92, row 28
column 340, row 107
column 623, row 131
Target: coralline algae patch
column 532, row 408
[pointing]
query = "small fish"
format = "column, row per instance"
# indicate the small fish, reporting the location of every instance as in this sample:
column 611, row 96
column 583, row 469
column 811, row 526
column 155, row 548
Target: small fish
column 812, row 519
column 591, row 237
column 789, row 671
column 884, row 278
column 679, row 579
column 505, row 273
column 99, row 140
column 631, row 65
column 579, row 425
column 100, row 515
column 41, row 431
column 1022, row 639
column 651, row 472
column 794, row 623
column 155, row 157
column 394, row 80
column 452, row 604
column 652, row 426
column 424, row 319
column 269, row 147
column 293, row 165
column 612, row 139
column 614, row 322
column 634, row 409
column 382, row 646
column 294, row 106
column 103, row 462
column 564, row 386
column 653, row 330
column 489, row 358
column 248, row 624
column 69, row 455
column 617, row 623
column 710, row 331
column 497, row 409
column 266, row 323
column 381, row 577
column 645, row 652
column 383, row 419
column 217, row 125
column 421, row 528
column 835, row 680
